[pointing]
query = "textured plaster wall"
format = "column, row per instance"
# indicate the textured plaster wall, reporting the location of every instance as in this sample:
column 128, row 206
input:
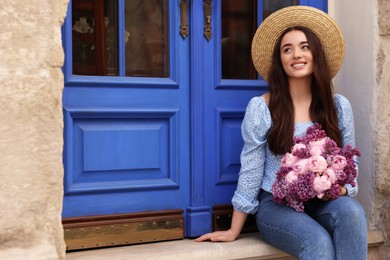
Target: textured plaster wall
column 31, row 170
column 356, row 81
column 365, row 80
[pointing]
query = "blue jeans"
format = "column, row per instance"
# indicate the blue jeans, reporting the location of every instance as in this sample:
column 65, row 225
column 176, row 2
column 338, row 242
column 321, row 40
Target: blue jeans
column 335, row 229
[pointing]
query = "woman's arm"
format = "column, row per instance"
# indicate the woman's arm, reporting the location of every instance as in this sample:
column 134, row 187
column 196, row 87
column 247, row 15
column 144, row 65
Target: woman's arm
column 238, row 221
column 254, row 128
column 346, row 125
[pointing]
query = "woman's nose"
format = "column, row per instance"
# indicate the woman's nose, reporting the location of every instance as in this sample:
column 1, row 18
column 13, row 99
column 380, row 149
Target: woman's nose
column 297, row 54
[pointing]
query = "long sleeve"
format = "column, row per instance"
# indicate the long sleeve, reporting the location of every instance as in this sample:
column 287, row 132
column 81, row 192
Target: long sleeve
column 255, row 125
column 346, row 125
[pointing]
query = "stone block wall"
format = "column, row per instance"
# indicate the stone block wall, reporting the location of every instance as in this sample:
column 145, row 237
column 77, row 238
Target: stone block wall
column 31, row 129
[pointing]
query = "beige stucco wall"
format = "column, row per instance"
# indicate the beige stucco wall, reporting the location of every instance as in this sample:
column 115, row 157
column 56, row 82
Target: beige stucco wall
column 364, row 79
column 31, row 170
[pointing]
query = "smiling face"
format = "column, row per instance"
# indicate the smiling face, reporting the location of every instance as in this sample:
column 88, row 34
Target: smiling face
column 296, row 55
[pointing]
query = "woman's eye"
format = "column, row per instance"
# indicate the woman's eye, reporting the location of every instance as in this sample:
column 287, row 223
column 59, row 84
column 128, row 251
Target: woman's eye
column 286, row 50
column 306, row 47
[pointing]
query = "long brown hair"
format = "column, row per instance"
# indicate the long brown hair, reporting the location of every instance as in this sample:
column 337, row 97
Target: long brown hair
column 322, row 108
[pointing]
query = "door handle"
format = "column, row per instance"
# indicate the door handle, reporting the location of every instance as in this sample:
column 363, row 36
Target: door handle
column 207, row 6
column 183, row 18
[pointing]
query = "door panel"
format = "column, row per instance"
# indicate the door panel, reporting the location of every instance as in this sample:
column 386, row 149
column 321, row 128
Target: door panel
column 126, row 153
column 127, row 138
column 122, row 150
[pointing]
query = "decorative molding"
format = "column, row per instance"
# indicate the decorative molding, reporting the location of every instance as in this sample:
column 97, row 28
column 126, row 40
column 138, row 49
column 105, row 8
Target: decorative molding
column 162, row 173
column 198, row 221
column 227, row 170
column 197, row 108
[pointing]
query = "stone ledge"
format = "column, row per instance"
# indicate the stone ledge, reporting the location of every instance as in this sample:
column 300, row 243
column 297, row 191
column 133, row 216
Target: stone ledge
column 248, row 246
column 44, row 250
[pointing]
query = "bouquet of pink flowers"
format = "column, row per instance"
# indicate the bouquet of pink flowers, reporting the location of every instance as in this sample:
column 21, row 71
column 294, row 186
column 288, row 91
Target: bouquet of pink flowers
column 315, row 167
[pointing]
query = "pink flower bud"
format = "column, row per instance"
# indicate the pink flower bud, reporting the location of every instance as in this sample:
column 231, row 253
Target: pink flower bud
column 330, row 174
column 300, row 167
column 339, row 162
column 291, row 177
column 297, row 147
column 321, row 184
column 289, row 160
column 317, row 147
column 317, row 164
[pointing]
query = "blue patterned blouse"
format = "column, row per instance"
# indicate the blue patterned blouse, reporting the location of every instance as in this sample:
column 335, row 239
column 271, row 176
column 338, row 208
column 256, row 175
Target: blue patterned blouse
column 259, row 165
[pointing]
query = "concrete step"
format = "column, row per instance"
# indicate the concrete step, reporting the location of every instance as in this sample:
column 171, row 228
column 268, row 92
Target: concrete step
column 248, row 246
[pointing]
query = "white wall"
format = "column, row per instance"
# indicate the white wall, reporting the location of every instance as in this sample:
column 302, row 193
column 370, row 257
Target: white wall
column 356, row 81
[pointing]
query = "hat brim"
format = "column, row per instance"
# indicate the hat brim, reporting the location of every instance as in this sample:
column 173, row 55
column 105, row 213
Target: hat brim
column 320, row 23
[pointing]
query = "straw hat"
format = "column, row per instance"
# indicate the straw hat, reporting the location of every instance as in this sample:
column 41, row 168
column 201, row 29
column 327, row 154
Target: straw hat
column 316, row 20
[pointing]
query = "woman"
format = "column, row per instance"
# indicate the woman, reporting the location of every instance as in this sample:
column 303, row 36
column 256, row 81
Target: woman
column 297, row 50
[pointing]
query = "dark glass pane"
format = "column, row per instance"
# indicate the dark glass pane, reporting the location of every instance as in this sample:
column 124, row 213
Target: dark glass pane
column 270, row 6
column 146, row 38
column 239, row 24
column 94, row 37
column 111, row 26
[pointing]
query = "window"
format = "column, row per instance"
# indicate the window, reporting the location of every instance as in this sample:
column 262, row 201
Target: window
column 96, row 35
column 239, row 24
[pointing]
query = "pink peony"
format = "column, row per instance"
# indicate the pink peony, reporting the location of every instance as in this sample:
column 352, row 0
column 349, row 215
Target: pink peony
column 317, row 164
column 321, row 184
column 300, row 167
column 291, row 177
column 317, row 147
column 330, row 174
column 289, row 160
column 338, row 162
column 297, row 146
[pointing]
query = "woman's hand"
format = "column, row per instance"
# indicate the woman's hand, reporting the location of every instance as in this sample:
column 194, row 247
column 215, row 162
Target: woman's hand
column 218, row 236
column 343, row 192
column 230, row 235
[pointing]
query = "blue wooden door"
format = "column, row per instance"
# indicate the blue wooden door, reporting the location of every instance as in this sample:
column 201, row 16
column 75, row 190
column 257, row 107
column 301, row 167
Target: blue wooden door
column 127, row 119
column 147, row 132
